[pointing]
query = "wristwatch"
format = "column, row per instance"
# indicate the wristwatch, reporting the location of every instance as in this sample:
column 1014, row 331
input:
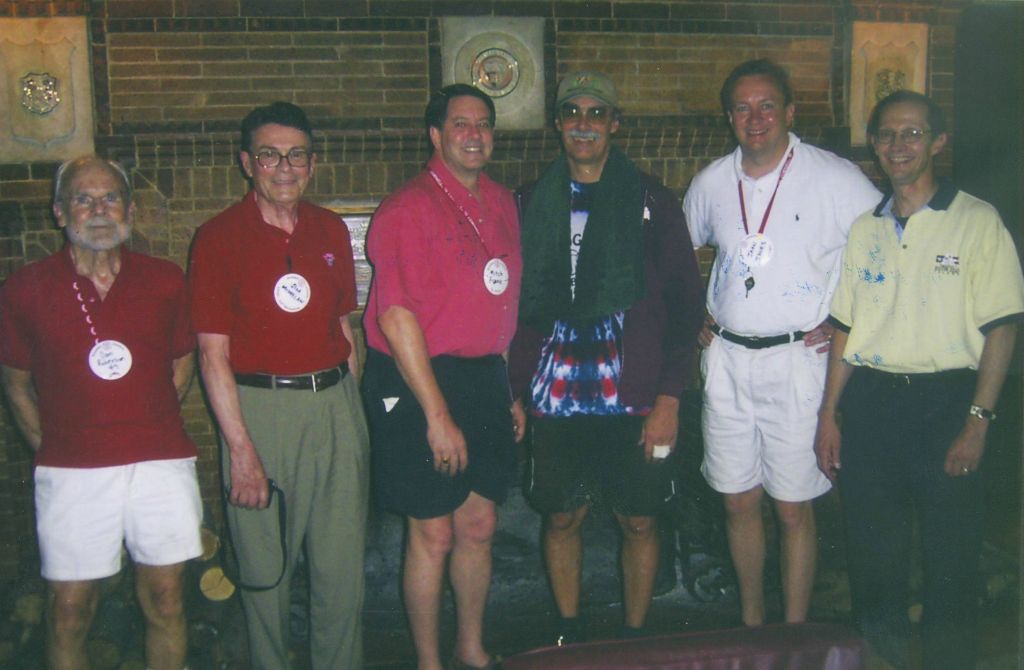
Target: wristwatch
column 982, row 413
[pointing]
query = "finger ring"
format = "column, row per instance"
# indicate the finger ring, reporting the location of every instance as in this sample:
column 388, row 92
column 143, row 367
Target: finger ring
column 965, row 469
column 445, row 460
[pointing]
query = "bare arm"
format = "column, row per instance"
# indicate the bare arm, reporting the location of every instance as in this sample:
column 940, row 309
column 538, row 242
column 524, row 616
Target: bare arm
column 249, row 487
column 182, row 371
column 409, row 349
column 965, row 453
column 827, row 440
column 353, row 357
column 21, row 393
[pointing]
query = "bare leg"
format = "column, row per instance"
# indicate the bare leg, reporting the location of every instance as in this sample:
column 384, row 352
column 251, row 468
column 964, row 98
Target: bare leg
column 745, row 528
column 640, row 546
column 799, row 556
column 430, row 540
column 563, row 556
column 70, row 610
column 470, row 573
column 160, row 595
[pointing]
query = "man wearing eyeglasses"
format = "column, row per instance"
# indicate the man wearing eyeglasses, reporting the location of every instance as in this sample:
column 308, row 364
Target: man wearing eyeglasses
column 96, row 355
column 926, row 312
column 272, row 284
column 777, row 212
column 607, row 326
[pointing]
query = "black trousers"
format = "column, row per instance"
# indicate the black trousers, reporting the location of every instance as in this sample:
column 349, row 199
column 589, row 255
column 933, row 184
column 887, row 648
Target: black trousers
column 896, row 432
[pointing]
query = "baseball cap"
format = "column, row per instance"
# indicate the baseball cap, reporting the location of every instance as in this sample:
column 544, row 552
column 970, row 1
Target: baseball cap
column 593, row 84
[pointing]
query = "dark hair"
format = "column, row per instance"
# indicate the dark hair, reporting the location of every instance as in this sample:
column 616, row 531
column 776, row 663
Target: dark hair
column 281, row 113
column 751, row 68
column 936, row 118
column 69, row 169
column 437, row 108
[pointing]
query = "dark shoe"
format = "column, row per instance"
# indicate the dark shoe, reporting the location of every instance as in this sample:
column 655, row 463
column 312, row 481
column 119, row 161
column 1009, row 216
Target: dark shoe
column 570, row 631
column 630, row 633
column 459, row 664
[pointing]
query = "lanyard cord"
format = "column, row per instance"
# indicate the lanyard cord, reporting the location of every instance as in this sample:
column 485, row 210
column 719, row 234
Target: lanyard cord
column 282, row 530
column 768, row 209
column 472, row 222
column 85, row 310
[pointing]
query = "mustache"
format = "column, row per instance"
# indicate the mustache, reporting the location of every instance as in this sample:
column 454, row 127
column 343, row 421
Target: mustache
column 584, row 134
column 100, row 221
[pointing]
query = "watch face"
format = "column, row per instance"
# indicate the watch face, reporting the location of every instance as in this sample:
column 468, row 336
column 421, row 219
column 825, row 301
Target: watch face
column 495, row 72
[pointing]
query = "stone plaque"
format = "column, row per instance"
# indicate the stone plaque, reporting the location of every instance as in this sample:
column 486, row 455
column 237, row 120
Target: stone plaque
column 502, row 56
column 46, row 90
column 885, row 57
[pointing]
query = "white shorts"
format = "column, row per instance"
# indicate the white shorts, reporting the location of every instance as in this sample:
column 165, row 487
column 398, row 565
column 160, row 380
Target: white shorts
column 760, row 415
column 84, row 514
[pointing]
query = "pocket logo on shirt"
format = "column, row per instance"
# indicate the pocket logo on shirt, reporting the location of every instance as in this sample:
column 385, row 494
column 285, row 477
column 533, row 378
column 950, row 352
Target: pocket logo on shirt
column 947, row 264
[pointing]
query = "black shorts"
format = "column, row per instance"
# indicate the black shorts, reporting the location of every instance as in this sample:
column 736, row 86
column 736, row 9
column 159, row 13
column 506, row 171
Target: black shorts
column 404, row 478
column 596, row 460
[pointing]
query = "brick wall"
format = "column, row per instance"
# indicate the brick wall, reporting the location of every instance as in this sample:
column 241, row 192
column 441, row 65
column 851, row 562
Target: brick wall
column 174, row 77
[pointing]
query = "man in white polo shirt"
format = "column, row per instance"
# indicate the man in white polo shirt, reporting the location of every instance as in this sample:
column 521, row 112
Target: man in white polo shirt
column 926, row 313
column 777, row 212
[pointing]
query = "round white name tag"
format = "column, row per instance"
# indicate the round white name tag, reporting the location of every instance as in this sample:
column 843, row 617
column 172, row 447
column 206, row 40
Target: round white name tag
column 292, row 292
column 496, row 276
column 756, row 249
column 110, row 360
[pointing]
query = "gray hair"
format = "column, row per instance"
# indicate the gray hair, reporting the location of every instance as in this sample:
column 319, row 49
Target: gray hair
column 69, row 169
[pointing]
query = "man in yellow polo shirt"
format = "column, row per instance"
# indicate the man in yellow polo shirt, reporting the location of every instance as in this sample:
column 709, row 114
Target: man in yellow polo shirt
column 925, row 312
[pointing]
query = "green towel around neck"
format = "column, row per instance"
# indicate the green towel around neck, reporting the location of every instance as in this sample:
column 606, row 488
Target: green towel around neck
column 610, row 266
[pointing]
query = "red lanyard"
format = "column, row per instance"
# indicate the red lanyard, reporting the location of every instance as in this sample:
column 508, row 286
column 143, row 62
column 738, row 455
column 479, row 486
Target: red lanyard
column 462, row 209
column 768, row 209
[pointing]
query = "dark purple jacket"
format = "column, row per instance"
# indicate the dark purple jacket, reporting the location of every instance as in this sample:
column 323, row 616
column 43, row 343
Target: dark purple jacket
column 659, row 338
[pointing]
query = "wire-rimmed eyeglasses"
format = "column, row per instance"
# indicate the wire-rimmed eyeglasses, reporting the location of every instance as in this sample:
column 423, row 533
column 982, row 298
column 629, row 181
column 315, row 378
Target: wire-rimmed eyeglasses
column 907, row 135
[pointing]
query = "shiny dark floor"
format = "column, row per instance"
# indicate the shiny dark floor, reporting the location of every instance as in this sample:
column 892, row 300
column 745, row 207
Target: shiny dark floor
column 695, row 589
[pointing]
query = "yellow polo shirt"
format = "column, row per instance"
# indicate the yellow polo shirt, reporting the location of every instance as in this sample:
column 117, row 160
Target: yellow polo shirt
column 924, row 301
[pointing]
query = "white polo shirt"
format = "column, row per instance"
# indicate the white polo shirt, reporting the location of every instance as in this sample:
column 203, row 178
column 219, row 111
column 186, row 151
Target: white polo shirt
column 818, row 199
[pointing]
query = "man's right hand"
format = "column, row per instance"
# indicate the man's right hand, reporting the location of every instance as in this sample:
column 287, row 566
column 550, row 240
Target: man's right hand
column 249, row 486
column 448, row 445
column 706, row 334
column 518, row 420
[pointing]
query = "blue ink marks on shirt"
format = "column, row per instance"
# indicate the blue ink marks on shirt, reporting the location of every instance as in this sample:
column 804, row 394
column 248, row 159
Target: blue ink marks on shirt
column 875, row 360
column 872, row 278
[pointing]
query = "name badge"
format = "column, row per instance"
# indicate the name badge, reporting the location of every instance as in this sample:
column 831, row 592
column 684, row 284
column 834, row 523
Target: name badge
column 291, row 293
column 496, row 276
column 110, row 360
column 756, row 250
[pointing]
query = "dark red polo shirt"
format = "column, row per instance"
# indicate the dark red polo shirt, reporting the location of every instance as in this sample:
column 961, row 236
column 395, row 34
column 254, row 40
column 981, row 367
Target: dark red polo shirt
column 89, row 422
column 237, row 259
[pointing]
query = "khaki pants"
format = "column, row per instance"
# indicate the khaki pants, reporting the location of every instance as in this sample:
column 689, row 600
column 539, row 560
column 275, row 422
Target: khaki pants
column 315, row 446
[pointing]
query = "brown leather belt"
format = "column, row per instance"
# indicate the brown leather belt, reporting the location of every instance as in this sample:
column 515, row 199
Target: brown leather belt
column 318, row 381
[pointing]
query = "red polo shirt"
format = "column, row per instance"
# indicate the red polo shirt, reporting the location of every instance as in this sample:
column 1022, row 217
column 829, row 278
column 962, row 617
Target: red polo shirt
column 428, row 258
column 237, row 260
column 89, row 422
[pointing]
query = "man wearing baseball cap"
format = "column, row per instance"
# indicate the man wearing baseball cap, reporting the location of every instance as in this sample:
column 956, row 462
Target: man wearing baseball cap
column 608, row 319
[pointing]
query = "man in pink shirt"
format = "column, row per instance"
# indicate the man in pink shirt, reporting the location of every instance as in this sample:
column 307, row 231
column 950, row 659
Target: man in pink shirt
column 440, row 315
